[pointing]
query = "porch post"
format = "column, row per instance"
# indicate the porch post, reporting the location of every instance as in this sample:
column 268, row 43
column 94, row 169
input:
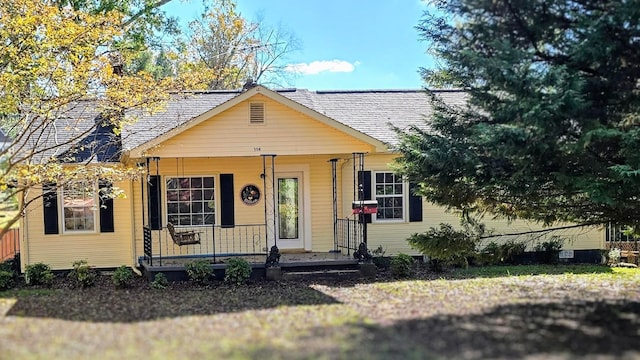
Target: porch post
column 142, row 193
column 362, row 254
column 142, row 204
column 360, row 197
column 269, row 183
column 335, row 203
column 148, row 178
column 148, row 241
column 159, row 214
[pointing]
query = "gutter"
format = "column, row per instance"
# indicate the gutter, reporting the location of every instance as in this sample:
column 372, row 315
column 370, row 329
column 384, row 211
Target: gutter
column 23, row 238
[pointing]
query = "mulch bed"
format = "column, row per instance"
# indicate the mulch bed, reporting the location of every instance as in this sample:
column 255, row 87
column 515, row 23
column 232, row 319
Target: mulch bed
column 559, row 316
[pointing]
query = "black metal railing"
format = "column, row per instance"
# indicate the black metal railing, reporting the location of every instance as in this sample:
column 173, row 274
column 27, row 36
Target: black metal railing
column 147, row 245
column 249, row 239
column 349, row 234
column 240, row 240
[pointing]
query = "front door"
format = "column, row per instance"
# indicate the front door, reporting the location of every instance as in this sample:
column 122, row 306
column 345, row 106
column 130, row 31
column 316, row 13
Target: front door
column 290, row 216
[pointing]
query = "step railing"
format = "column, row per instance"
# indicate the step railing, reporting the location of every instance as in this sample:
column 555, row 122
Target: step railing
column 349, row 234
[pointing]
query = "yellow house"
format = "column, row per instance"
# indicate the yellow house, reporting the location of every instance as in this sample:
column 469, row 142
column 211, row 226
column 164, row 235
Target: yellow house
column 237, row 172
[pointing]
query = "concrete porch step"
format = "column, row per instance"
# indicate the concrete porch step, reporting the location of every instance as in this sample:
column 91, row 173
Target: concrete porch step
column 342, row 274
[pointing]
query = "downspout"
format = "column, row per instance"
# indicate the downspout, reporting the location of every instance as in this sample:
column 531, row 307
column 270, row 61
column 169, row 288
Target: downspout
column 24, row 239
column 136, row 270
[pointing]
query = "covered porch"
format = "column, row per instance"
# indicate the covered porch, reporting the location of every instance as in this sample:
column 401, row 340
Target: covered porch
column 263, row 227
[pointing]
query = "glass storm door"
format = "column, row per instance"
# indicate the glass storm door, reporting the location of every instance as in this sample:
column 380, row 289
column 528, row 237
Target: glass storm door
column 289, row 211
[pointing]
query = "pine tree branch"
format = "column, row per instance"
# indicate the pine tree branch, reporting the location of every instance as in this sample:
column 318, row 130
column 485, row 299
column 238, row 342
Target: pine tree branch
column 543, row 230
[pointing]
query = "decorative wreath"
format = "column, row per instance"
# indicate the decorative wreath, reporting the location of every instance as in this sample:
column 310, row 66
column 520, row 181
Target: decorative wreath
column 250, row 194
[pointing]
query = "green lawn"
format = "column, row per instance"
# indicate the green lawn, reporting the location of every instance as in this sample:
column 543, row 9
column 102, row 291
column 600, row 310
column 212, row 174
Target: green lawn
column 565, row 312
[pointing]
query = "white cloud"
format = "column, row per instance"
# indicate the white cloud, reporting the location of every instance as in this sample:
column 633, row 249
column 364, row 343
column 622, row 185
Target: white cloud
column 317, row 67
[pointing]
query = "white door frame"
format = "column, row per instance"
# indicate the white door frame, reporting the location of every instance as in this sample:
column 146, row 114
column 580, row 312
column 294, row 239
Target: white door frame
column 305, row 203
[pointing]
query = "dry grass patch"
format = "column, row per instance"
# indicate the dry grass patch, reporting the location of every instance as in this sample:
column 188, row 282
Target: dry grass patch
column 568, row 315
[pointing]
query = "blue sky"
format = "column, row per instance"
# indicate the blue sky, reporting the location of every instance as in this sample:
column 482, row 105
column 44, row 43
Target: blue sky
column 345, row 44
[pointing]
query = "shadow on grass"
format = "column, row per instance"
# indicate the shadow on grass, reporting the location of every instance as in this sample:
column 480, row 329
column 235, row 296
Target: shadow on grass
column 143, row 304
column 567, row 330
column 517, row 270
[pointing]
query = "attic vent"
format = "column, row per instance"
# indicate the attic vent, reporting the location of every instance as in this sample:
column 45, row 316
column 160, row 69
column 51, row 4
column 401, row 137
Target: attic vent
column 256, row 113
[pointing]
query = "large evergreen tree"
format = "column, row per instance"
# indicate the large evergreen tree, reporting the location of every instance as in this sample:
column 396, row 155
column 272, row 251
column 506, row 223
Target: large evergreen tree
column 551, row 131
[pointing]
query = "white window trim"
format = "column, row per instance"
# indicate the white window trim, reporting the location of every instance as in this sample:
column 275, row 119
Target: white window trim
column 96, row 218
column 216, row 196
column 405, row 200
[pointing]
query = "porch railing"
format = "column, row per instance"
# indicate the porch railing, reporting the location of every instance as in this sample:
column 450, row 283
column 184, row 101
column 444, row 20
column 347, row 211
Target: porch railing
column 249, row 239
column 10, row 245
column 616, row 237
column 148, row 245
column 349, row 234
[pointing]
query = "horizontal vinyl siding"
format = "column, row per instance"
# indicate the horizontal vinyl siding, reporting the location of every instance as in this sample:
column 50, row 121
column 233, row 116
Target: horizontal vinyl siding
column 102, row 250
column 247, row 170
column 285, row 132
column 393, row 236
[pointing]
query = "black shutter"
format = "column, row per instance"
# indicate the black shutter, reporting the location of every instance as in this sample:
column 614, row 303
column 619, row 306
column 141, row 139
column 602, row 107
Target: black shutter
column 154, row 197
column 415, row 204
column 227, row 217
column 106, row 207
column 364, row 179
column 50, row 207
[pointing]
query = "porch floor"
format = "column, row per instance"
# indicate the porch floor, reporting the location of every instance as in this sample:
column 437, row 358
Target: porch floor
column 302, row 259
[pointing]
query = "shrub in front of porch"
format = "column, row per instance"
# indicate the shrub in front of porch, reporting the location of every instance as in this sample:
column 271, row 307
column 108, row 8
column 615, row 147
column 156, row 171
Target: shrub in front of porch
column 446, row 245
column 160, row 281
column 122, row 277
column 82, row 275
column 38, row 274
column 199, row 271
column 378, row 258
column 238, row 271
column 6, row 280
column 402, row 266
column 7, row 276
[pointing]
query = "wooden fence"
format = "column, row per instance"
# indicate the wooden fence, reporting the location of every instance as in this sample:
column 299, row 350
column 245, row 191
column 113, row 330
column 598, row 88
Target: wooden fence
column 9, row 244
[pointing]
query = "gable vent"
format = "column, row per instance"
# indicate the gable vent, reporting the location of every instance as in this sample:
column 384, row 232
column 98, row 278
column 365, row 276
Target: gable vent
column 256, row 113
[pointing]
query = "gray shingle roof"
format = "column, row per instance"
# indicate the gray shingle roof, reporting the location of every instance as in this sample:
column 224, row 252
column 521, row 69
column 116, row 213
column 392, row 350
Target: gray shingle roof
column 3, row 137
column 373, row 111
column 178, row 110
column 368, row 111
column 55, row 136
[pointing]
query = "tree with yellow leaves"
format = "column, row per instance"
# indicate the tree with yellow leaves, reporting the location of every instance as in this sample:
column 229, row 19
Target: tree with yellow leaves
column 63, row 93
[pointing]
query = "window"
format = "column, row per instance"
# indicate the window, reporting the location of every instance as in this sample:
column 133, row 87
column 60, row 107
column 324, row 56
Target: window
column 389, row 192
column 190, row 201
column 79, row 206
column 618, row 233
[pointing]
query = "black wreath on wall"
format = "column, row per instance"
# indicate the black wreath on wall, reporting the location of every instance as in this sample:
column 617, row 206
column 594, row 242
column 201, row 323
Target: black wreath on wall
column 250, row 194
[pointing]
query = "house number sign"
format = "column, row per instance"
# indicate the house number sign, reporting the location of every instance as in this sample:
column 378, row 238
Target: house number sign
column 250, row 195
